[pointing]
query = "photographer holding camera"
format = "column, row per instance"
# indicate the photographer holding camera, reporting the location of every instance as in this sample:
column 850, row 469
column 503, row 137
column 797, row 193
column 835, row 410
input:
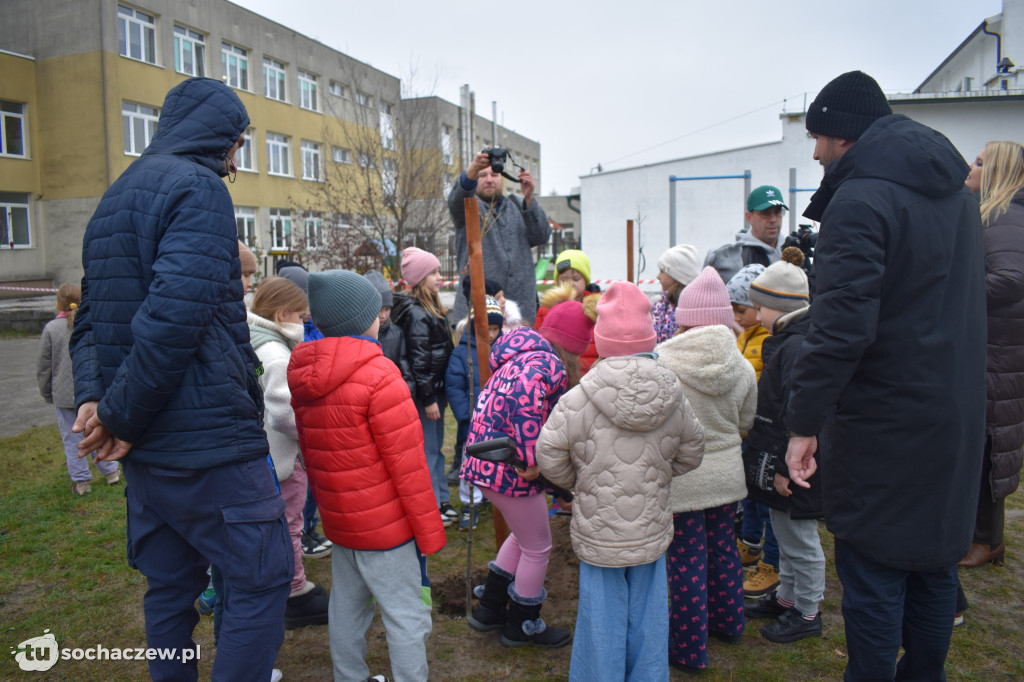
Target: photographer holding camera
column 765, row 210
column 509, row 228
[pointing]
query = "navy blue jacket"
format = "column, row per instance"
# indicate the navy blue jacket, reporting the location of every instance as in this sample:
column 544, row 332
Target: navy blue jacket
column 160, row 339
column 456, row 381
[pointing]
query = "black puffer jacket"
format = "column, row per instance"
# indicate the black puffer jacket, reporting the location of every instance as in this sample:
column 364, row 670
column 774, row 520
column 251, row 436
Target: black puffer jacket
column 428, row 343
column 764, row 450
column 392, row 343
column 895, row 357
column 1004, row 284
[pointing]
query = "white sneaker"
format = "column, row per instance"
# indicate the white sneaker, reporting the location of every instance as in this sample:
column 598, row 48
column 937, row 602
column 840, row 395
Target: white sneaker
column 276, row 675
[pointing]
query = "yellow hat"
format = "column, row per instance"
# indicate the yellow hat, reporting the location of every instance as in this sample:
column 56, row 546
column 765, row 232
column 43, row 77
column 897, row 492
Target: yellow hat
column 575, row 259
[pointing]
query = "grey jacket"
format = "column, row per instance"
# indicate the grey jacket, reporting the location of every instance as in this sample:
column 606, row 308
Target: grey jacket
column 617, row 439
column 728, row 259
column 53, row 368
column 506, row 243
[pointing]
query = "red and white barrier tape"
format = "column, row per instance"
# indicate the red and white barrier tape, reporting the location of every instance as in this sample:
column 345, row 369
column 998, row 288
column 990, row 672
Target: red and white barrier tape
column 48, row 291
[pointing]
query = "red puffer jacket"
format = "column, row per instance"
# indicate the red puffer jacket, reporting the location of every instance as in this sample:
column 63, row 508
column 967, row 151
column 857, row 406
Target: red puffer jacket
column 362, row 444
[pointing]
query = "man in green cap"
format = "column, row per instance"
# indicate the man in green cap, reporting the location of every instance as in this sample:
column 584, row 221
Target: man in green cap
column 760, row 244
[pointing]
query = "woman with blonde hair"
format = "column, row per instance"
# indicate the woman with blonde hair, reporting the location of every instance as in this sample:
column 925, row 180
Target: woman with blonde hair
column 1000, row 184
column 57, row 386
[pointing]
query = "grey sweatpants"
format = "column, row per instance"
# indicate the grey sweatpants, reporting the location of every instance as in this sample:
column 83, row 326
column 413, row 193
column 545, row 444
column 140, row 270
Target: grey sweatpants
column 392, row 578
column 801, row 561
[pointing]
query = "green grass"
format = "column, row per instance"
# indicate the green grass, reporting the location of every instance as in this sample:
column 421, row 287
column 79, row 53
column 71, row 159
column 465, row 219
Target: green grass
column 63, row 568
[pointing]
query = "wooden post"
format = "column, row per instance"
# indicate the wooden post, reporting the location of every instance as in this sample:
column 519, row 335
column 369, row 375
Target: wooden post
column 478, row 297
column 629, row 250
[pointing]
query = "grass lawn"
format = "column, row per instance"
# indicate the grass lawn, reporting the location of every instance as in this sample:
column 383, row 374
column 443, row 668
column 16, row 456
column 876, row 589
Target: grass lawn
column 63, row 569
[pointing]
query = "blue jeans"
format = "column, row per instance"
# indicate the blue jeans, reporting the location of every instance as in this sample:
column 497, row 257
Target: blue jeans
column 756, row 523
column 621, row 624
column 181, row 520
column 885, row 608
column 309, row 517
column 433, row 438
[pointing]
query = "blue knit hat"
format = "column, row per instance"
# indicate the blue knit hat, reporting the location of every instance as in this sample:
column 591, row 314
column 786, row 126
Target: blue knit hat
column 342, row 303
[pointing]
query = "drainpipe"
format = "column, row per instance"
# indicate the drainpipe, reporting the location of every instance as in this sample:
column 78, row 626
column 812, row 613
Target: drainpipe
column 999, row 43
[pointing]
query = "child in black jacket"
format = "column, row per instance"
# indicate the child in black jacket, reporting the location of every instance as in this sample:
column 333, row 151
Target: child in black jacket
column 780, row 295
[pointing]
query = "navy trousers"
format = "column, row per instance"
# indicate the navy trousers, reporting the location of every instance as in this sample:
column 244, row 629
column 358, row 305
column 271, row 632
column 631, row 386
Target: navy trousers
column 885, row 608
column 179, row 521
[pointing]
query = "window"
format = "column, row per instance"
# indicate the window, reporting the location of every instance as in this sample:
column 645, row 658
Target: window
column 235, row 61
column 245, row 222
column 338, row 89
column 307, row 91
column 245, row 157
column 314, row 232
column 278, row 151
column 366, row 161
column 310, row 160
column 341, row 155
column 189, row 51
column 363, row 99
column 343, row 221
column 12, row 129
column 14, row 225
column 273, row 77
column 387, row 131
column 139, row 123
column 280, row 229
column 446, row 145
column 389, row 178
column 446, row 184
column 136, row 34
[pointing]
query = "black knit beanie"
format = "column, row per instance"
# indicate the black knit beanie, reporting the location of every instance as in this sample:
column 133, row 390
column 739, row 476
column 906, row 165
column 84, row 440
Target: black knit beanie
column 847, row 106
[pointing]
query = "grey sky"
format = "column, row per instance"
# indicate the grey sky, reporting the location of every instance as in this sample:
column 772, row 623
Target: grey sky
column 613, row 82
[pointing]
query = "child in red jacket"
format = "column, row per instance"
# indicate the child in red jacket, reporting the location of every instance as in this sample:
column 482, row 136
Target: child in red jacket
column 363, row 449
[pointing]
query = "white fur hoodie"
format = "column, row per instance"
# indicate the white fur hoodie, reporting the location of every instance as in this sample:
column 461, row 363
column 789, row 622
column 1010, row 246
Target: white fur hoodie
column 721, row 387
column 273, row 345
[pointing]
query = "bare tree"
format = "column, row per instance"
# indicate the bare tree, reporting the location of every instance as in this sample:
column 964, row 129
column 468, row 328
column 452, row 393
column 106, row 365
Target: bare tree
column 382, row 184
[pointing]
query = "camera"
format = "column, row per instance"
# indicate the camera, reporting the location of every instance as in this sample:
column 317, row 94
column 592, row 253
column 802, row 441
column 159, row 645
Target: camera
column 805, row 239
column 497, row 157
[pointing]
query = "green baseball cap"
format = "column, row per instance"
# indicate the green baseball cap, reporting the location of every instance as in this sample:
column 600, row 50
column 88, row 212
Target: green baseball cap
column 764, row 197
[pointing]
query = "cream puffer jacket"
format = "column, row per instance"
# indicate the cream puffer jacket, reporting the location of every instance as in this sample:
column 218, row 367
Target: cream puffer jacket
column 722, row 389
column 617, row 440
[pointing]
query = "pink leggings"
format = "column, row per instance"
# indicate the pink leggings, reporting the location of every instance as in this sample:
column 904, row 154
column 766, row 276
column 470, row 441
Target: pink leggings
column 293, row 490
column 525, row 552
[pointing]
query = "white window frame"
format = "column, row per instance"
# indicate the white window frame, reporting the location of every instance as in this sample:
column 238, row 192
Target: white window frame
column 275, row 79
column 245, row 225
column 138, row 126
column 280, row 229
column 235, row 74
column 343, row 221
column 8, row 206
column 366, row 160
column 341, row 155
column 314, row 225
column 245, row 157
column 311, row 167
column 143, row 43
column 309, row 97
column 387, row 129
column 446, row 145
column 389, row 178
column 189, row 44
column 364, row 99
column 279, row 154
column 10, row 119
column 338, row 89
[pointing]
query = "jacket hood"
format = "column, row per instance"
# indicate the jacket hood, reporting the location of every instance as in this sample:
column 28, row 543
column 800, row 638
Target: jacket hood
column 201, row 118
column 634, row 392
column 747, row 239
column 317, row 368
column 899, row 150
column 517, row 342
column 706, row 359
column 262, row 330
column 790, row 320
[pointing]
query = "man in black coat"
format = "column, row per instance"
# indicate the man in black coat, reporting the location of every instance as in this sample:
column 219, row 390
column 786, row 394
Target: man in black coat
column 893, row 368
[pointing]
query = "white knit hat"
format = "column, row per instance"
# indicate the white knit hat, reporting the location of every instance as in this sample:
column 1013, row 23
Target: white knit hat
column 680, row 263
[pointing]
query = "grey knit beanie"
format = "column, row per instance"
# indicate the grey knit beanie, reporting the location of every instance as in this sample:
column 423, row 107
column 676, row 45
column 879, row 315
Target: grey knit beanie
column 783, row 285
column 342, row 303
column 387, row 297
column 296, row 274
column 739, row 286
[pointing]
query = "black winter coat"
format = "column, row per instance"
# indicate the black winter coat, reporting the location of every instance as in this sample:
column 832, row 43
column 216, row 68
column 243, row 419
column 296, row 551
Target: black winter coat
column 428, row 343
column 895, row 357
column 392, row 344
column 1004, row 284
column 764, row 450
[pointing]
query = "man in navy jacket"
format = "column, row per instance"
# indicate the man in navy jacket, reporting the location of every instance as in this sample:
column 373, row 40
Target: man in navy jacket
column 893, row 368
column 165, row 378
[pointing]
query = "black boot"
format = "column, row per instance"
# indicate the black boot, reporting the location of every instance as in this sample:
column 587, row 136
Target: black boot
column 307, row 609
column 453, row 474
column 490, row 613
column 523, row 625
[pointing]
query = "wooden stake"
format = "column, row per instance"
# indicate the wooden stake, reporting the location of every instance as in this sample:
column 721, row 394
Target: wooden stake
column 629, row 250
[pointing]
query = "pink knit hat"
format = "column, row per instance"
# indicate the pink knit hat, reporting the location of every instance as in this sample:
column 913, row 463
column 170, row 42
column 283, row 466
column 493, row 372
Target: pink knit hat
column 624, row 325
column 567, row 325
column 705, row 302
column 417, row 264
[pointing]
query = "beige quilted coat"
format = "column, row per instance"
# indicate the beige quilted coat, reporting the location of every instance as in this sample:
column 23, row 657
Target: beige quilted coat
column 617, row 440
column 722, row 389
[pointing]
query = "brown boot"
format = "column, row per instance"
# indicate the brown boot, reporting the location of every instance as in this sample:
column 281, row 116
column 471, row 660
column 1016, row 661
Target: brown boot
column 979, row 555
column 749, row 554
column 760, row 581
